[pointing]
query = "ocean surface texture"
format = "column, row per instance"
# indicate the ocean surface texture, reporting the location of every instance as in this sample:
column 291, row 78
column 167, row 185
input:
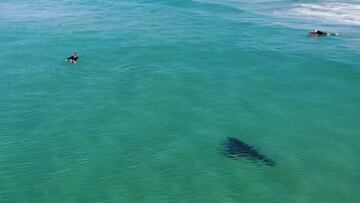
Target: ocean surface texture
column 161, row 84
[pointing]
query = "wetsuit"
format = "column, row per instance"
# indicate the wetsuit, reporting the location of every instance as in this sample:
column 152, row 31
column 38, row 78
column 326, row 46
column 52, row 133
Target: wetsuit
column 320, row 33
column 73, row 58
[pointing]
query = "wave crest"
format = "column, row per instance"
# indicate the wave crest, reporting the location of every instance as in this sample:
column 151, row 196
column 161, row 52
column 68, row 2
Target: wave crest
column 345, row 13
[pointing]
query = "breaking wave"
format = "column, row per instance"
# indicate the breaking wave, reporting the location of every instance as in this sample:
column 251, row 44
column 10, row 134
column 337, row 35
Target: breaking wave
column 333, row 13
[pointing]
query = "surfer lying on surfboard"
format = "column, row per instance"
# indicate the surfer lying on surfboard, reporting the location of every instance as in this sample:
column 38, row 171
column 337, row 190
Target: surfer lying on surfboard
column 317, row 32
column 73, row 58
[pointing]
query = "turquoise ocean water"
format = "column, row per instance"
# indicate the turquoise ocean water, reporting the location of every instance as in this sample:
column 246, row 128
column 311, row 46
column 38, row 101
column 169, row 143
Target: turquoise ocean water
column 162, row 83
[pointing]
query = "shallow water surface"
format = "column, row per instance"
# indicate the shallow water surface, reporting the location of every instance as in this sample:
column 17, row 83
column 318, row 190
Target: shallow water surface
column 160, row 85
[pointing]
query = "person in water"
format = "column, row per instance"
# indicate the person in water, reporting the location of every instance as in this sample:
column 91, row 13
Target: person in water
column 317, row 32
column 73, row 58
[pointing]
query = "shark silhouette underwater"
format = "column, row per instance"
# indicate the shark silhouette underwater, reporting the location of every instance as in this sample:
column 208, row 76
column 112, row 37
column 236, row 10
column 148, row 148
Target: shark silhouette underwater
column 237, row 149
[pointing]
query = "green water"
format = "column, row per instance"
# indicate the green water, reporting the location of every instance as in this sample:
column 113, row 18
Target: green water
column 159, row 87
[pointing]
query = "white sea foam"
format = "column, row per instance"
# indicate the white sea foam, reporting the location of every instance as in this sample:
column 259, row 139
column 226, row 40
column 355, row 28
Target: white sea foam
column 330, row 12
column 335, row 13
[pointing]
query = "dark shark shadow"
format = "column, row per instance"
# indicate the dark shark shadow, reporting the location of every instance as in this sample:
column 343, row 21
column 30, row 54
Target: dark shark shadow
column 237, row 149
